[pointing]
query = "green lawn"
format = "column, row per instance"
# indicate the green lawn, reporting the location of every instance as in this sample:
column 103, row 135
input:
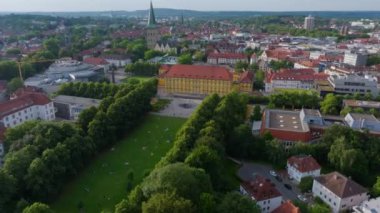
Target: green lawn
column 104, row 183
column 140, row 78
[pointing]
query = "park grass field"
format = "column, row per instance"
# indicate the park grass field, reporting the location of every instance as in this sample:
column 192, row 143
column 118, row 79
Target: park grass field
column 140, row 78
column 104, row 182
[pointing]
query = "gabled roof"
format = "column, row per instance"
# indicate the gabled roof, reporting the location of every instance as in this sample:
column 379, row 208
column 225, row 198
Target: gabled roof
column 297, row 75
column 340, row 185
column 23, row 102
column 199, row 72
column 261, row 188
column 287, row 207
column 246, row 77
column 304, row 163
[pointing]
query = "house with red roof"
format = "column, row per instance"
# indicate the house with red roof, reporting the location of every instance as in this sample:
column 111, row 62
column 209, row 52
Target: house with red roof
column 100, row 62
column 299, row 167
column 226, row 58
column 25, row 107
column 201, row 80
column 293, row 79
column 287, row 207
column 263, row 191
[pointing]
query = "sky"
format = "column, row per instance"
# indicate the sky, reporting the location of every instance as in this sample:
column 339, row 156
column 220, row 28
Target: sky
column 203, row 5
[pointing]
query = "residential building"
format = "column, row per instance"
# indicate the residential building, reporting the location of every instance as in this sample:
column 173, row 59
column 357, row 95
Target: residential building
column 339, row 192
column 355, row 58
column 118, row 61
column 263, row 191
column 198, row 80
column 292, row 79
column 351, row 84
column 370, row 206
column 69, row 107
column 287, row 207
column 309, row 23
column 152, row 31
column 299, row 167
column 226, row 58
column 30, row 106
column 167, row 47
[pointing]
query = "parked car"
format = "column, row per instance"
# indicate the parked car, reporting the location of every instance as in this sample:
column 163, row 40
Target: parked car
column 302, row 198
column 288, row 186
column 273, row 173
column 278, row 178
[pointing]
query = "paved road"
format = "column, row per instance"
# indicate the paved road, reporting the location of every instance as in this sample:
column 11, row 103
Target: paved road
column 249, row 169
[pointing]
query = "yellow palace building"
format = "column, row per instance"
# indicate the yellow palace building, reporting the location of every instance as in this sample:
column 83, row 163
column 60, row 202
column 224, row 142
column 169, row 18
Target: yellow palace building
column 202, row 80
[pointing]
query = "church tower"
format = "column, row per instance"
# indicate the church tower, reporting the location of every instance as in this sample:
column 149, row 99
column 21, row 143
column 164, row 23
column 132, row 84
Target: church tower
column 152, row 32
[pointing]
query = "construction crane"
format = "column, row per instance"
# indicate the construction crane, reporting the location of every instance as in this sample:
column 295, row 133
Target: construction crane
column 19, row 63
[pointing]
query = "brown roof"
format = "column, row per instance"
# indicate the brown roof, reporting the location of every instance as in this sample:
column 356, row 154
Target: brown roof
column 340, row 185
column 22, row 102
column 287, row 207
column 95, row 61
column 199, row 72
column 261, row 188
column 304, row 163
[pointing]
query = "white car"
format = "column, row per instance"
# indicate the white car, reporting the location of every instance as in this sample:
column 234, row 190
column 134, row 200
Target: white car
column 273, row 173
column 302, row 198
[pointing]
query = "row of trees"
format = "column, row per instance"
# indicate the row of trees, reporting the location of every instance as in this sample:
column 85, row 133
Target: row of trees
column 94, row 90
column 142, row 68
column 294, row 99
column 42, row 156
column 189, row 178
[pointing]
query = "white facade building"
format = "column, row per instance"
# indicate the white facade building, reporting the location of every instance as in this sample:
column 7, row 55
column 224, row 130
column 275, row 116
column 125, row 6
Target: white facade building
column 309, row 23
column 338, row 191
column 299, row 167
column 350, row 84
column 261, row 190
column 363, row 121
column 371, row 206
column 26, row 108
column 355, row 59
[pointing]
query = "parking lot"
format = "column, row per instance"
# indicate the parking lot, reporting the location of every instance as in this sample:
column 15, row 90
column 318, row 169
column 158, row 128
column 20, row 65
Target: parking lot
column 248, row 170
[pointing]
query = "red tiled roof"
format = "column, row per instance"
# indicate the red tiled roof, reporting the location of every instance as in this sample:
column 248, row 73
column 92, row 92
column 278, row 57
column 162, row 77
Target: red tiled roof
column 261, row 188
column 199, row 72
column 95, row 61
column 297, row 75
column 304, row 163
column 287, row 207
column 227, row 56
column 246, row 77
column 23, row 102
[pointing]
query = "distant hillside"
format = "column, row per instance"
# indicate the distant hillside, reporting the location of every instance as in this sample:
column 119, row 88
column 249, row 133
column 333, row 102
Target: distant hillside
column 162, row 13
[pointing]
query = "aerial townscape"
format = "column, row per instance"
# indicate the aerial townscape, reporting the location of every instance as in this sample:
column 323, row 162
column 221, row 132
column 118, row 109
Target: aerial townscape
column 186, row 111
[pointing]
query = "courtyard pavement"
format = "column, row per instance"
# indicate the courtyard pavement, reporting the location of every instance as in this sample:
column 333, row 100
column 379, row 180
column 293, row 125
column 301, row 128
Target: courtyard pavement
column 180, row 107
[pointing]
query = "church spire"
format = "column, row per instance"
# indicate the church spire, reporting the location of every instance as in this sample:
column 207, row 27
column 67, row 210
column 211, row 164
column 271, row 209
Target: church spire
column 152, row 17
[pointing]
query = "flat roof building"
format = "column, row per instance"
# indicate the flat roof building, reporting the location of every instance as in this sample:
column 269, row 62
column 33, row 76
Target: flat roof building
column 69, row 107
